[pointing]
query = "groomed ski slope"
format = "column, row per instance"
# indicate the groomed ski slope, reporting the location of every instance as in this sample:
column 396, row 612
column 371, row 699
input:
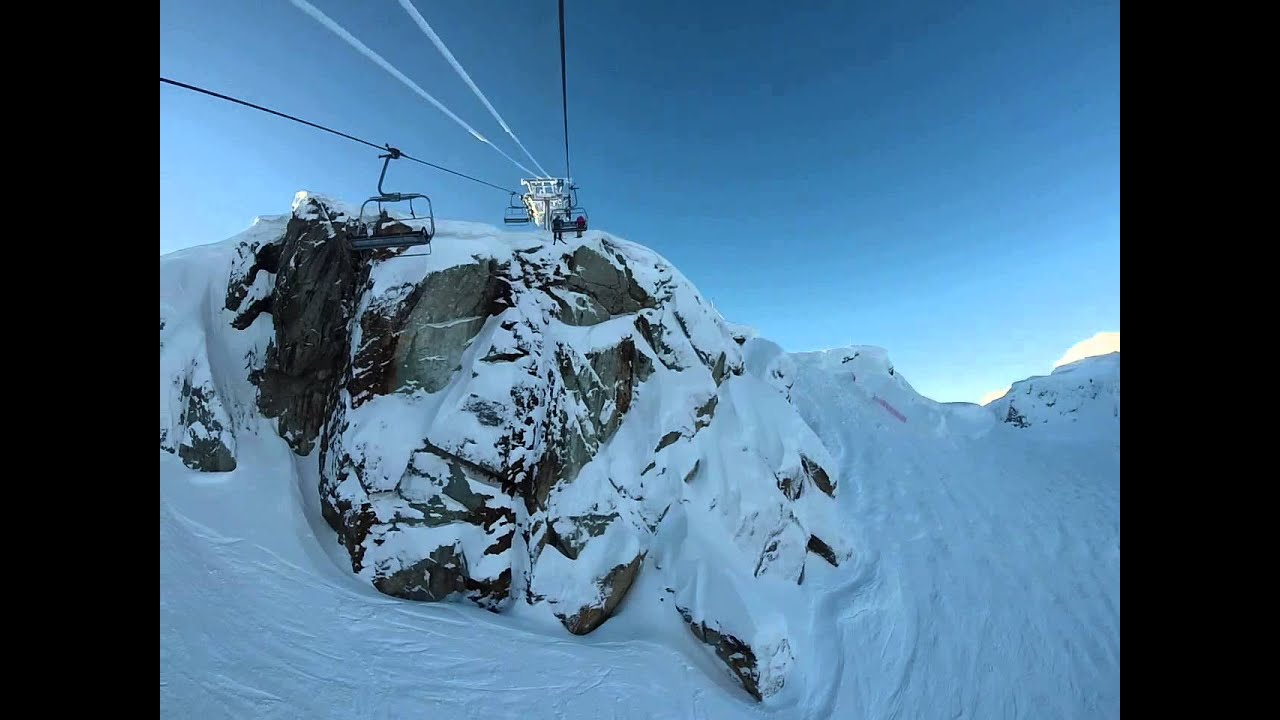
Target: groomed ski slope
column 984, row 583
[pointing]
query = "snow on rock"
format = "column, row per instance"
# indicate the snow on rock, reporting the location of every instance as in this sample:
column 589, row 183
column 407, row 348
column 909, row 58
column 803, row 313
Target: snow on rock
column 741, row 333
column 1085, row 392
column 883, row 395
column 205, row 395
column 308, row 285
column 507, row 419
column 199, row 429
column 767, row 361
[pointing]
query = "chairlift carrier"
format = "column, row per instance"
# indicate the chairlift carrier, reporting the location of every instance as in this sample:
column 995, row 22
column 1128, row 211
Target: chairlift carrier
column 569, row 215
column 374, row 236
column 516, row 213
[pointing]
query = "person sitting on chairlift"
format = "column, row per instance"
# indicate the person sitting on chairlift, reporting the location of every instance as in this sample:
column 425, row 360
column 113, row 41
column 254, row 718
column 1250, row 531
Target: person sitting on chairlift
column 582, row 225
column 557, row 227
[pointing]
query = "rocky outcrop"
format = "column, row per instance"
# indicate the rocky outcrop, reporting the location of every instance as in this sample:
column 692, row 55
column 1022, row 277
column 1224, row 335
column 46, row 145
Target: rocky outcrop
column 517, row 420
column 609, row 284
column 445, row 312
column 737, row 655
column 1015, row 418
column 203, row 436
column 818, row 476
column 311, row 305
column 1084, row 394
column 823, row 550
column 612, row 588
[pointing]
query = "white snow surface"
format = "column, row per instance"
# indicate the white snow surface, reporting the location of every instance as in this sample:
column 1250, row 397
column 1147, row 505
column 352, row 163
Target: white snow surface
column 991, row 585
column 981, row 561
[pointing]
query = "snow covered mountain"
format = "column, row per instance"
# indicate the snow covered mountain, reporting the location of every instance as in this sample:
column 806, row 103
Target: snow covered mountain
column 614, row 502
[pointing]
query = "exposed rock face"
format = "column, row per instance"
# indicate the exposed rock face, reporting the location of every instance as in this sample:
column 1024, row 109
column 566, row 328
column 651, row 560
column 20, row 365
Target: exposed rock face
column 449, row 308
column 195, row 416
column 613, row 587
column 1015, row 418
column 311, row 304
column 820, row 478
column 506, row 421
column 203, row 436
column 611, row 287
column 737, row 655
column 817, row 546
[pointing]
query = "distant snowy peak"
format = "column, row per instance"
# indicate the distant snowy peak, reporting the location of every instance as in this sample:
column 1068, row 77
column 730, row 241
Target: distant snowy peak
column 1086, row 391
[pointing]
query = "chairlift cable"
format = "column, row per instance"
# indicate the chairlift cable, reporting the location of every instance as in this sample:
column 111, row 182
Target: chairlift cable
column 564, row 95
column 384, row 147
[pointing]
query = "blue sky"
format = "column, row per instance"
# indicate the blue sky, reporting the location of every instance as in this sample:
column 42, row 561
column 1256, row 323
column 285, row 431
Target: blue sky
column 941, row 179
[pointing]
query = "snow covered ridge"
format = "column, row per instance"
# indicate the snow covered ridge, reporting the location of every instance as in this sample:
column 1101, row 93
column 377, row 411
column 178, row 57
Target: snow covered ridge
column 507, row 420
column 1087, row 389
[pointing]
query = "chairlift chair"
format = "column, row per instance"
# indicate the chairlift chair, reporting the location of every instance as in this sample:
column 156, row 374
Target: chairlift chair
column 569, row 219
column 575, row 210
column 376, row 235
column 517, row 213
column 570, row 215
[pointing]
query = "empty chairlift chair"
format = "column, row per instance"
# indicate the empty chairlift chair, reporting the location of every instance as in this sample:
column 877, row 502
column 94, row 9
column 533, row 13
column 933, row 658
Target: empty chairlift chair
column 517, row 213
column 387, row 232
